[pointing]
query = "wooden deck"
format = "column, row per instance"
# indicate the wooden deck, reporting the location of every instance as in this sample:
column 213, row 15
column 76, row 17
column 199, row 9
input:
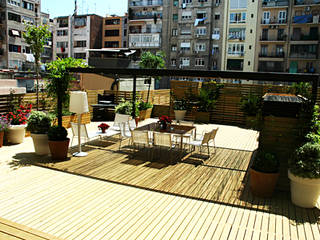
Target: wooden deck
column 110, row 196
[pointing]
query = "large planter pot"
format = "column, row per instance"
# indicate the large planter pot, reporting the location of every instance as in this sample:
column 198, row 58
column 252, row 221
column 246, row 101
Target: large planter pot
column 305, row 192
column 59, row 149
column 179, row 114
column 1, row 138
column 16, row 133
column 40, row 142
column 145, row 114
column 203, row 117
column 262, row 184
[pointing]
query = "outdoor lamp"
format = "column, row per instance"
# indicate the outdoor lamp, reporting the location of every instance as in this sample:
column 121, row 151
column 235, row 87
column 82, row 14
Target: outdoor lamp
column 79, row 105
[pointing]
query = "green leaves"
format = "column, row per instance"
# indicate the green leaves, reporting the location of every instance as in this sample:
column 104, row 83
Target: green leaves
column 39, row 122
column 251, row 104
column 152, row 61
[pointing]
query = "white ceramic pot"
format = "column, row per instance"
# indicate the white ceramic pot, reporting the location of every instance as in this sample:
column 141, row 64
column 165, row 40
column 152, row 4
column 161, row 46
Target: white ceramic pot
column 179, row 114
column 16, row 133
column 305, row 192
column 40, row 142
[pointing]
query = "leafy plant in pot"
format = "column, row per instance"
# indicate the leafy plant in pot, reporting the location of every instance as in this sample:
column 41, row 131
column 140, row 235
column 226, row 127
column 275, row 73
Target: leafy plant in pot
column 180, row 107
column 251, row 106
column 126, row 107
column 57, row 88
column 264, row 174
column 145, row 109
column 304, row 175
column 39, row 124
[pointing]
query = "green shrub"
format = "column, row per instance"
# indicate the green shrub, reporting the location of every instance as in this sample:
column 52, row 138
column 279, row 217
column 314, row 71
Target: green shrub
column 250, row 104
column 125, row 107
column 144, row 105
column 265, row 162
column 306, row 161
column 57, row 133
column 39, row 122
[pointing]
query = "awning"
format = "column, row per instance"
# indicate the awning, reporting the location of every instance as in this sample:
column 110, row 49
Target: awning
column 15, row 33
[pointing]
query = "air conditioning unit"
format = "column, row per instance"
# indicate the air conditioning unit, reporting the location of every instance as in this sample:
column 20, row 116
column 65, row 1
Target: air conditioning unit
column 307, row 9
column 183, row 5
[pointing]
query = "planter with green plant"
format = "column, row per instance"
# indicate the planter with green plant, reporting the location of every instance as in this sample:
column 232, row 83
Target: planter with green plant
column 39, row 124
column 251, row 106
column 180, row 107
column 125, row 108
column 145, row 109
column 264, row 174
column 58, row 86
column 304, row 175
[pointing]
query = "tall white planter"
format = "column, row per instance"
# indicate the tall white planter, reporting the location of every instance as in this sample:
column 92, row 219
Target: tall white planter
column 179, row 114
column 16, row 133
column 40, row 142
column 305, row 192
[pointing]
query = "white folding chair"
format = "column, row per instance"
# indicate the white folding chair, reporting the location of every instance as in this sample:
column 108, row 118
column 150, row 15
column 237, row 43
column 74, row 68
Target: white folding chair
column 118, row 119
column 125, row 132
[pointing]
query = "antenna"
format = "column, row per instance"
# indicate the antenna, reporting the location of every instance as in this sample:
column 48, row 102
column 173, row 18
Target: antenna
column 75, row 7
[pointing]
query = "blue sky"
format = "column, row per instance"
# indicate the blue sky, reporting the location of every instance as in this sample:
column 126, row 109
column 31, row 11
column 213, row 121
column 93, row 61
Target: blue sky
column 101, row 7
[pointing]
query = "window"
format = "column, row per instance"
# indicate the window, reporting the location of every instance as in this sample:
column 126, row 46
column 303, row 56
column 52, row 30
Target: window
column 186, row 15
column 27, row 20
column 63, row 22
column 199, row 62
column 175, row 17
column 14, row 33
column 80, row 55
column 111, row 33
column 216, row 34
column 215, row 49
column 237, row 34
column 186, row 1
column 62, row 32
column 236, row 49
column 80, row 22
column 173, row 48
column 176, row 3
column 115, row 21
column 14, row 2
column 238, row 17
column 200, row 1
column 80, row 44
column 173, row 62
column 111, row 44
column 201, row 31
column 201, row 14
column 185, row 31
column 185, row 46
column 14, row 17
column 62, row 44
column 282, row 17
column 217, row 16
column 236, row 4
column 125, row 32
column 14, row 48
column 264, row 50
column 200, row 47
column 174, row 32
column 27, row 5
column 184, row 61
column 279, row 51
column 266, row 17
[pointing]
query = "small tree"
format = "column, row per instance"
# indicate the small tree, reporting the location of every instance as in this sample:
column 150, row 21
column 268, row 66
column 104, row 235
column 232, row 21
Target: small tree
column 59, row 81
column 152, row 61
column 36, row 37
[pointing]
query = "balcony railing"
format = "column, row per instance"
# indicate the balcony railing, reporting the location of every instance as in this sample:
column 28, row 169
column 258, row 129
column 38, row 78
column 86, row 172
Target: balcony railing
column 148, row 40
column 306, row 2
column 138, row 16
column 312, row 37
column 273, row 21
column 303, row 55
column 308, row 18
column 272, row 55
column 266, row 38
column 275, row 3
column 146, row 3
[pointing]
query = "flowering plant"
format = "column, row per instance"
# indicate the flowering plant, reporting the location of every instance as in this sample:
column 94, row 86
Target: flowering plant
column 4, row 123
column 19, row 116
column 103, row 126
column 165, row 119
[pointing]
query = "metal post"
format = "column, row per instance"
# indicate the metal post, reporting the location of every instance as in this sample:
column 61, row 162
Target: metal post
column 134, row 96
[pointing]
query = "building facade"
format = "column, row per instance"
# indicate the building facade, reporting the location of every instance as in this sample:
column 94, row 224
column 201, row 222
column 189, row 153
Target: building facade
column 115, row 32
column 74, row 35
column 14, row 14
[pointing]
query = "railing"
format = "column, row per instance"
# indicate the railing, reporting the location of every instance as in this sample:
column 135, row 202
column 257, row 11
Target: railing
column 144, row 40
column 312, row 37
column 272, row 55
column 146, row 3
column 275, row 3
column 266, row 38
column 273, row 21
column 306, row 2
column 303, row 55
column 146, row 16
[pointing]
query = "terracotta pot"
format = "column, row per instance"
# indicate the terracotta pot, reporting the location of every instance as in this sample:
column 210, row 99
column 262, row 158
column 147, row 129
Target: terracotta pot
column 1, row 138
column 262, row 184
column 16, row 133
column 59, row 149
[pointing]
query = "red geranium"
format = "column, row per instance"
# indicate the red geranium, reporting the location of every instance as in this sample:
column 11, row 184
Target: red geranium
column 103, row 126
column 165, row 119
column 19, row 116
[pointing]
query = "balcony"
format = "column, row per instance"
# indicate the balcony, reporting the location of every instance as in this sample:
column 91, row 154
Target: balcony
column 302, row 37
column 273, row 39
column 305, row 55
column 306, row 2
column 309, row 18
column 151, row 15
column 147, row 40
column 273, row 21
column 148, row 3
column 275, row 3
column 270, row 66
column 272, row 55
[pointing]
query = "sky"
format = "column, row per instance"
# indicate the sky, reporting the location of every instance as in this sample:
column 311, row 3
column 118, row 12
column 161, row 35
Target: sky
column 101, row 7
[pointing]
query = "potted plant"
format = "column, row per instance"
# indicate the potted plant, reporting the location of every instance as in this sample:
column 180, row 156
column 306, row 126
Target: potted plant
column 264, row 174
column 125, row 108
column 164, row 121
column 103, row 127
column 180, row 107
column 3, row 127
column 59, row 83
column 145, row 109
column 58, row 143
column 39, row 124
column 304, row 175
column 205, row 103
column 18, row 120
column 251, row 105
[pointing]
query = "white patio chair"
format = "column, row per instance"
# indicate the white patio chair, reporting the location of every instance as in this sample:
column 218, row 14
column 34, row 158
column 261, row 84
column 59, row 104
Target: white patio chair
column 86, row 135
column 163, row 140
column 125, row 132
column 188, row 136
column 118, row 119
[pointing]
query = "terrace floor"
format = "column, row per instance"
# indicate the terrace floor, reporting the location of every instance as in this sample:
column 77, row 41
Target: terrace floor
column 108, row 195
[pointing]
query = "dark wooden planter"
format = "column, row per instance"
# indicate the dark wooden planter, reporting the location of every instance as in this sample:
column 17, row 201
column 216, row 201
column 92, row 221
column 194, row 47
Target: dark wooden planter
column 1, row 138
column 203, row 117
column 59, row 149
column 262, row 184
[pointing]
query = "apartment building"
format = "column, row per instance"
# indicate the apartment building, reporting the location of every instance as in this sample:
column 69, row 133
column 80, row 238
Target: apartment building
column 114, row 33
column 14, row 14
column 46, row 55
column 74, row 35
